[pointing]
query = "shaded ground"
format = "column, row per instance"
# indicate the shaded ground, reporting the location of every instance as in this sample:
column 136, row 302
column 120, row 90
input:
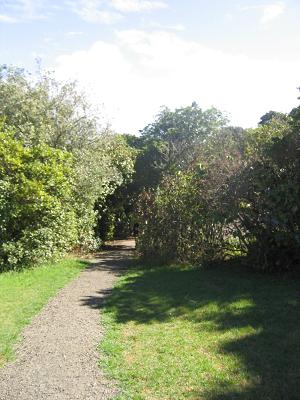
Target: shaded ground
column 222, row 333
column 57, row 357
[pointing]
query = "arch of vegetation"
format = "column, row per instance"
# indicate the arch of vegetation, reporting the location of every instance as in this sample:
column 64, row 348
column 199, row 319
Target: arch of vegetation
column 193, row 187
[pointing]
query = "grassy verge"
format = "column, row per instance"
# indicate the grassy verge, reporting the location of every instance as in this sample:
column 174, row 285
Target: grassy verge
column 23, row 294
column 217, row 334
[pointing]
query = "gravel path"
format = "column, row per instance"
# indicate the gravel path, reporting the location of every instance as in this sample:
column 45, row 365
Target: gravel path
column 57, row 358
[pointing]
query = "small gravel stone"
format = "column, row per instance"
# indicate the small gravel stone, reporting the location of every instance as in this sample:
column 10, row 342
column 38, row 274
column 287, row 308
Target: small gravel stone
column 57, row 357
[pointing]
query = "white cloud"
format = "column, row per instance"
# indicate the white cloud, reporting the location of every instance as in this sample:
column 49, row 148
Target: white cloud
column 158, row 26
column 93, row 11
column 31, row 8
column 105, row 17
column 137, row 5
column 272, row 11
column 269, row 12
column 8, row 19
column 24, row 10
column 140, row 71
column 176, row 27
column 111, row 11
column 74, row 33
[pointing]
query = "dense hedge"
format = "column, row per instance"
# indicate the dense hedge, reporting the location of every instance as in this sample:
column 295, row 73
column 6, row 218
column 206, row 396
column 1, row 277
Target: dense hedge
column 239, row 196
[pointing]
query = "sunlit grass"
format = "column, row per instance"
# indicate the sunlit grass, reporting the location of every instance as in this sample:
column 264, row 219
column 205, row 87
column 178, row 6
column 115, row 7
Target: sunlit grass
column 221, row 333
column 23, row 294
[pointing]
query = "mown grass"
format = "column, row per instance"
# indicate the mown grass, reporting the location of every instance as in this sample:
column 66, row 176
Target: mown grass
column 23, row 294
column 191, row 333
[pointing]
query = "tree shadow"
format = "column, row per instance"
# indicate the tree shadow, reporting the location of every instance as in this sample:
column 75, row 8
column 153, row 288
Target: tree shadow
column 115, row 258
column 114, row 262
column 269, row 353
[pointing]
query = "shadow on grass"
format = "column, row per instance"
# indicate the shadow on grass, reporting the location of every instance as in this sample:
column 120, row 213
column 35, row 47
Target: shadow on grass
column 270, row 352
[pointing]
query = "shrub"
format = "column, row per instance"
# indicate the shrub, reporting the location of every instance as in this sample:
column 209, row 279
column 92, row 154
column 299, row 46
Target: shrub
column 240, row 195
column 267, row 193
column 44, row 111
column 38, row 220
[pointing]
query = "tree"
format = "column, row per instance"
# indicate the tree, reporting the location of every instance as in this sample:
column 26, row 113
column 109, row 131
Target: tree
column 41, row 110
column 239, row 196
column 176, row 135
column 273, row 116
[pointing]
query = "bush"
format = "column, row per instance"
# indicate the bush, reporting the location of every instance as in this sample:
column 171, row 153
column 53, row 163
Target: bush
column 240, row 196
column 178, row 222
column 43, row 111
column 38, row 220
column 267, row 200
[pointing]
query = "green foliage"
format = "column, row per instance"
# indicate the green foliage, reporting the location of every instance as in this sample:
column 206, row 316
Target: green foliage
column 164, row 147
column 240, row 196
column 195, row 188
column 42, row 111
column 38, row 221
column 116, row 220
column 183, row 220
column 115, row 208
column 269, row 209
column 173, row 139
column 272, row 116
column 100, row 170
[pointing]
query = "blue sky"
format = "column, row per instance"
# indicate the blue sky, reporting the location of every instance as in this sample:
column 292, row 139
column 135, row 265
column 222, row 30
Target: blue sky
column 132, row 56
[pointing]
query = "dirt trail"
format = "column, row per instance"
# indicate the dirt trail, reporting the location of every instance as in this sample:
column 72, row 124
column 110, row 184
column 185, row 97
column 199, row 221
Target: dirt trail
column 57, row 357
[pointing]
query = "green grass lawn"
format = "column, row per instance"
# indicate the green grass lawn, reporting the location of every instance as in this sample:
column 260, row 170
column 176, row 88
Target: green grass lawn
column 216, row 334
column 23, row 294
